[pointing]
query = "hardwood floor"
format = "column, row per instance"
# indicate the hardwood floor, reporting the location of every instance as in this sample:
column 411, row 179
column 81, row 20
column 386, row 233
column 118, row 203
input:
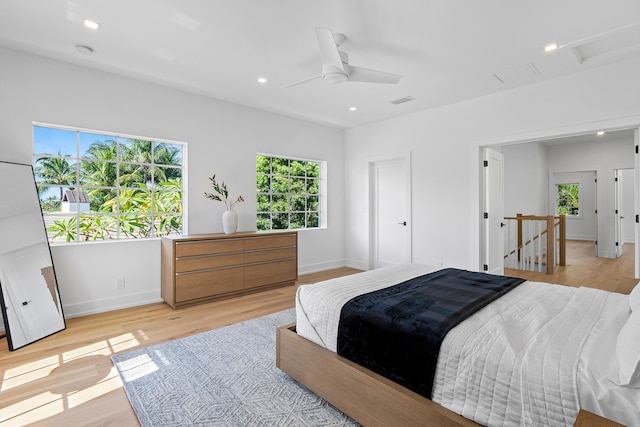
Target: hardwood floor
column 68, row 378
column 584, row 269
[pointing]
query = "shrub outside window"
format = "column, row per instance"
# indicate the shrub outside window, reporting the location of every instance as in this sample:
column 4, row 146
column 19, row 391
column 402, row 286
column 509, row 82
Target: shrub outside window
column 568, row 199
column 103, row 186
column 288, row 193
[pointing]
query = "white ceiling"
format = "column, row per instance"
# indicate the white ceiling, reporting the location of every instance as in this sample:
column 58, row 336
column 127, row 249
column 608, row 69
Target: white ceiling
column 448, row 51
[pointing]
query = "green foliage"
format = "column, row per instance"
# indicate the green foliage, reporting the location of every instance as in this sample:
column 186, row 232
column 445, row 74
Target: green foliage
column 148, row 202
column 64, row 228
column 568, row 199
column 263, row 164
column 288, row 192
column 54, row 170
column 50, row 204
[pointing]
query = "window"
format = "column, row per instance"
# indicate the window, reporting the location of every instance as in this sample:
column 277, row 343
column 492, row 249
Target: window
column 288, row 193
column 568, row 199
column 101, row 186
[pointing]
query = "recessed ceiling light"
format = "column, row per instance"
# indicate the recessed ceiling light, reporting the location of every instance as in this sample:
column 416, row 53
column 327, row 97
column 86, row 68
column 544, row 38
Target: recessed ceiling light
column 85, row 50
column 550, row 47
column 353, row 108
column 600, row 133
column 262, row 80
column 91, row 24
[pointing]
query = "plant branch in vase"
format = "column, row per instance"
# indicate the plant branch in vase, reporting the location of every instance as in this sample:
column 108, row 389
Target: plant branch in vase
column 221, row 194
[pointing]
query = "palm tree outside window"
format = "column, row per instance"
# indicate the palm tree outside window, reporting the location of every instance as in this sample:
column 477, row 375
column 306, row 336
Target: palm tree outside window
column 130, row 187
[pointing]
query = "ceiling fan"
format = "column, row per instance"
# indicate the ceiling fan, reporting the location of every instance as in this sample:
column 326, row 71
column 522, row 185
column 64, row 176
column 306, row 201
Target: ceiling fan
column 335, row 64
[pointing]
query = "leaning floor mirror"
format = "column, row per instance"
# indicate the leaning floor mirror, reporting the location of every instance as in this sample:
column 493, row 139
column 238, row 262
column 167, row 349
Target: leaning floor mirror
column 31, row 305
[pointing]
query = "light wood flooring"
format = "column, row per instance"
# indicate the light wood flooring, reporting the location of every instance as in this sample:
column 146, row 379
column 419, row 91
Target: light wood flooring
column 68, row 379
column 584, row 269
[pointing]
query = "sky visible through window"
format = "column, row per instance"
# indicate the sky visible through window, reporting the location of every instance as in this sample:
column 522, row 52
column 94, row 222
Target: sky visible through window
column 95, row 186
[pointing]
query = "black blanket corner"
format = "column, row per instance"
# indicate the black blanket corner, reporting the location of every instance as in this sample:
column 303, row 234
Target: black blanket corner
column 397, row 331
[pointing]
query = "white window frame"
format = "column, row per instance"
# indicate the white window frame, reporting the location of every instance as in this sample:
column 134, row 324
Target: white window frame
column 580, row 198
column 322, row 191
column 77, row 160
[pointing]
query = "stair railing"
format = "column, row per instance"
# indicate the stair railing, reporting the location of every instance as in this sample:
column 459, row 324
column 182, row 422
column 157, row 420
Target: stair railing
column 531, row 246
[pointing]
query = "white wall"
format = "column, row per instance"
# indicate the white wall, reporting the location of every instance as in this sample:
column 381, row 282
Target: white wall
column 445, row 142
column 223, row 138
column 525, row 179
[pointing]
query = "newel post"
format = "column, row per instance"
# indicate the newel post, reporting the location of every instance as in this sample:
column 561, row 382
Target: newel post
column 563, row 240
column 551, row 243
column 519, row 216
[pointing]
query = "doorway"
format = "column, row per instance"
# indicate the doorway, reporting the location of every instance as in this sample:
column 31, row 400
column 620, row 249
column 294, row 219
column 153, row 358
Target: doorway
column 624, row 209
column 390, row 211
column 562, row 157
column 580, row 188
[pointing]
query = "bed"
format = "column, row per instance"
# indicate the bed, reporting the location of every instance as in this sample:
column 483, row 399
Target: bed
column 535, row 356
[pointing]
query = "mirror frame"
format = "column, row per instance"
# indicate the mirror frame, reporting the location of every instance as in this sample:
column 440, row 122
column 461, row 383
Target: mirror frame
column 49, row 276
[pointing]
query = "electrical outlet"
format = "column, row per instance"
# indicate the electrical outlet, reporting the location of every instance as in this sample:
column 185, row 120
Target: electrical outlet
column 120, row 283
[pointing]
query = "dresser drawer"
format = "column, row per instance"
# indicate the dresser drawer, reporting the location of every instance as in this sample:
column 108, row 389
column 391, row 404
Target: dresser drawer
column 270, row 242
column 207, row 262
column 209, row 267
column 207, row 247
column 207, row 283
column 269, row 255
column 270, row 273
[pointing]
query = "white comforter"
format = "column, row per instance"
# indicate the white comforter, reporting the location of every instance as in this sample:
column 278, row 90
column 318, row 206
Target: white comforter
column 512, row 363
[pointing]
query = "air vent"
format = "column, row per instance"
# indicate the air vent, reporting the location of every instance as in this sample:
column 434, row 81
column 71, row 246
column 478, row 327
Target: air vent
column 518, row 74
column 402, row 100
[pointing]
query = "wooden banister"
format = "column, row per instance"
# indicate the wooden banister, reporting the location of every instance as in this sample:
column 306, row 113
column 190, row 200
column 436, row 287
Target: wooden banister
column 551, row 222
column 563, row 240
column 551, row 246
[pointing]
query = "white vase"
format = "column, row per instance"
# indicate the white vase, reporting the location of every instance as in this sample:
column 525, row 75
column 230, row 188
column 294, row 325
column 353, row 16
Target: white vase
column 229, row 221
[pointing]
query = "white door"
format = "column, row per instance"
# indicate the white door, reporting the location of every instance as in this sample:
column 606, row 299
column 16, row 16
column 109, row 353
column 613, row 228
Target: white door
column 390, row 189
column 618, row 213
column 637, row 201
column 493, row 212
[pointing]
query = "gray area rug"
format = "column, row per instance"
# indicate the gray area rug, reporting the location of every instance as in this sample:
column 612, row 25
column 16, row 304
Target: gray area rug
column 224, row 377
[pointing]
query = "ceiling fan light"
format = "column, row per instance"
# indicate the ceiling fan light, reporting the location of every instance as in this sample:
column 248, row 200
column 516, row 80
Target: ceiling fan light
column 91, row 24
column 335, row 78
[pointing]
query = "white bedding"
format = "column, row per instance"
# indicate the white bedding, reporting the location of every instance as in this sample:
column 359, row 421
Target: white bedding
column 515, row 362
column 598, row 364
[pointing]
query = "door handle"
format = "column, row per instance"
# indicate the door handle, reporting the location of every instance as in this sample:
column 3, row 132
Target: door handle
column 403, row 223
column 502, row 224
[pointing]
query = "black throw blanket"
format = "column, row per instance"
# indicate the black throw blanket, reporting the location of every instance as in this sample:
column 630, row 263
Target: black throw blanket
column 397, row 331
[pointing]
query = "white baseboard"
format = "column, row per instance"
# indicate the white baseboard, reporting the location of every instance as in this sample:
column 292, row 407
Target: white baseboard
column 581, row 237
column 357, row 264
column 149, row 297
column 315, row 268
column 109, row 304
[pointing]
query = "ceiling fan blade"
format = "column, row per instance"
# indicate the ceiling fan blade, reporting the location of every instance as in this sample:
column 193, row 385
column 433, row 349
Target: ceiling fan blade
column 329, row 55
column 359, row 74
column 319, row 76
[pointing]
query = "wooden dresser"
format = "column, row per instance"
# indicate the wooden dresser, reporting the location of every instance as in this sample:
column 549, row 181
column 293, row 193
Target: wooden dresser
column 206, row 267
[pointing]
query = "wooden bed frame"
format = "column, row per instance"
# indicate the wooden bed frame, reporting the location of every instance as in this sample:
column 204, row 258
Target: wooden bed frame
column 365, row 396
column 369, row 398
